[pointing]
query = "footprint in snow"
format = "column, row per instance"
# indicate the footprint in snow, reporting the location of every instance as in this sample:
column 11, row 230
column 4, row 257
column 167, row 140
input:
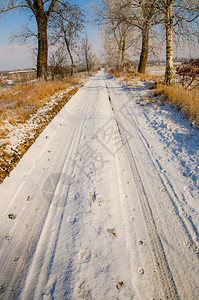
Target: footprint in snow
column 2, row 288
column 112, row 233
column 84, row 291
column 29, row 198
column 96, row 199
column 7, row 237
column 93, row 196
column 132, row 217
column 140, row 242
column 85, row 255
column 125, row 291
column 120, row 285
column 16, row 259
column 12, row 216
column 141, row 271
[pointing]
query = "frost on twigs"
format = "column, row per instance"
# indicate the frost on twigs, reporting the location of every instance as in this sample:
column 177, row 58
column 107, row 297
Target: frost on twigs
column 189, row 73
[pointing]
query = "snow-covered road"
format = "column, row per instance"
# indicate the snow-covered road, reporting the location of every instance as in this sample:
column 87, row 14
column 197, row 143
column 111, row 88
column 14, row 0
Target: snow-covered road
column 88, row 213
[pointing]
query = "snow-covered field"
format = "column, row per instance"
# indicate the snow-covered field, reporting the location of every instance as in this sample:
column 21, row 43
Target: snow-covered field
column 156, row 70
column 104, row 203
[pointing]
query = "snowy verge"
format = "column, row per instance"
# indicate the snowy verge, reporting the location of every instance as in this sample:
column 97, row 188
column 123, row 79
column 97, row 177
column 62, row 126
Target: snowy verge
column 19, row 137
column 172, row 134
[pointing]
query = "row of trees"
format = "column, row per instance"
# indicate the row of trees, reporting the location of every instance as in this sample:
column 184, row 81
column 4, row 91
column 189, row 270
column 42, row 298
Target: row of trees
column 86, row 59
column 125, row 22
column 64, row 21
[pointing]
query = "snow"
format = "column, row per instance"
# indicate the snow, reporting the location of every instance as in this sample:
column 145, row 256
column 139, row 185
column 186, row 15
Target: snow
column 22, row 71
column 19, row 132
column 104, row 203
column 156, row 70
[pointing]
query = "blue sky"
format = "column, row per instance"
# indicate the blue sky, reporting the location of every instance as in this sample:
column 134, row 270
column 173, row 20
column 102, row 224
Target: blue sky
column 15, row 55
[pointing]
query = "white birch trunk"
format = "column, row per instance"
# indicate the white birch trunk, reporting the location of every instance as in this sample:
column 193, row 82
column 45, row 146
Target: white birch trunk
column 169, row 43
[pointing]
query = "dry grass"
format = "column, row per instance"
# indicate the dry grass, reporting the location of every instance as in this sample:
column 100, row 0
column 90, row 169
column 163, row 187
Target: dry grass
column 149, row 77
column 186, row 100
column 18, row 103
column 9, row 160
column 130, row 76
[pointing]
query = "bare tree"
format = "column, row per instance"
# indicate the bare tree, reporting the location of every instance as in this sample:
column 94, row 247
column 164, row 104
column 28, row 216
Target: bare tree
column 179, row 17
column 127, row 17
column 141, row 16
column 25, row 34
column 67, row 24
column 41, row 10
column 147, row 12
column 117, row 31
column 87, row 57
column 58, row 62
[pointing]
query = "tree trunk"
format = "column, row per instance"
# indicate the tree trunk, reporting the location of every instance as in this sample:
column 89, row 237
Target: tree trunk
column 42, row 57
column 71, row 59
column 145, row 50
column 123, row 50
column 169, row 45
column 118, row 59
column 87, row 61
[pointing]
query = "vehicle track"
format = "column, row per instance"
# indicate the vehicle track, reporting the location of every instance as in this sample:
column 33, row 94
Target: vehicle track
column 18, row 268
column 175, row 231
column 163, row 273
column 52, row 215
column 111, row 242
column 188, row 226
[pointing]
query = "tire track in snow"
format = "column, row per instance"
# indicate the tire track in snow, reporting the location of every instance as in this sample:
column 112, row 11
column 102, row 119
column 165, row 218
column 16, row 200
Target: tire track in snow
column 78, row 249
column 12, row 273
column 164, row 275
column 186, row 222
column 53, row 216
column 110, row 263
column 174, row 235
column 15, row 245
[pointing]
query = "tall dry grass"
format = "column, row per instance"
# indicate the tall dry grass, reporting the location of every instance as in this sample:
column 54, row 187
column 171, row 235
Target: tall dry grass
column 18, row 103
column 131, row 76
column 149, row 77
column 186, row 100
